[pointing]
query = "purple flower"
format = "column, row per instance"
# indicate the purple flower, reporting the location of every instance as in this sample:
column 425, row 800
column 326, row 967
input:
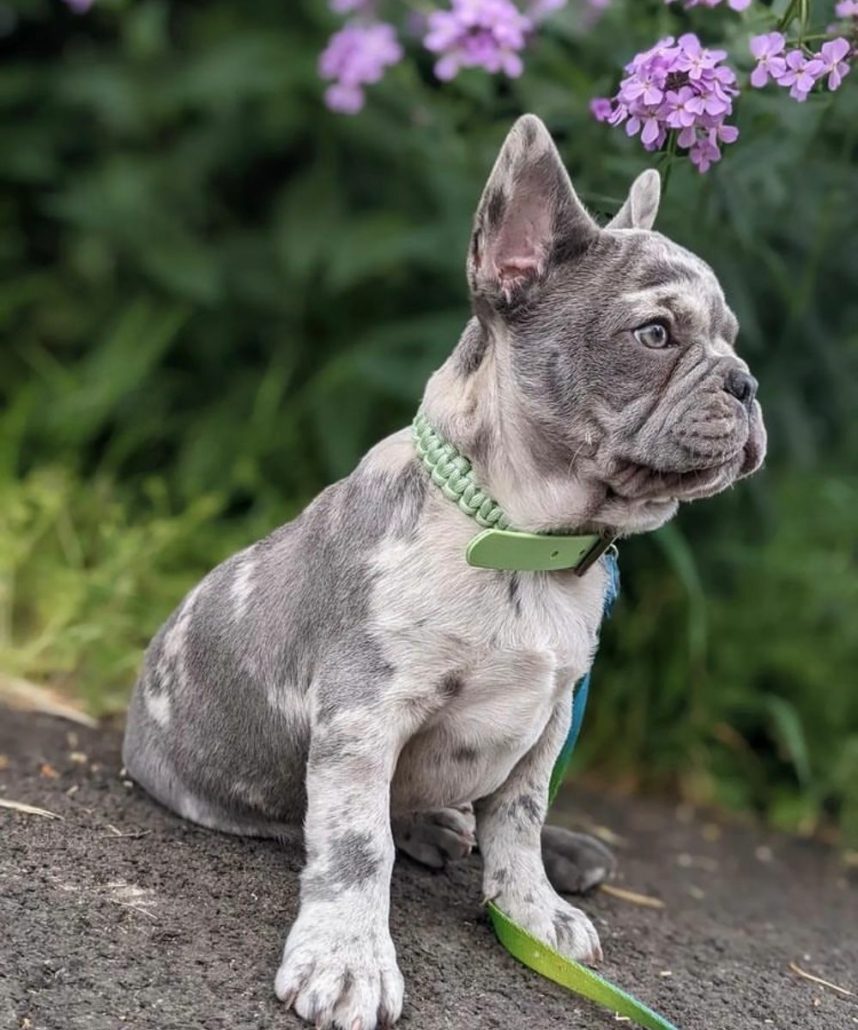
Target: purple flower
column 680, row 86
column 601, row 108
column 704, row 153
column 487, row 34
column 79, row 6
column 800, row 76
column 737, row 5
column 831, row 61
column 847, row 9
column 682, row 107
column 768, row 50
column 356, row 56
column 646, row 87
column 694, row 59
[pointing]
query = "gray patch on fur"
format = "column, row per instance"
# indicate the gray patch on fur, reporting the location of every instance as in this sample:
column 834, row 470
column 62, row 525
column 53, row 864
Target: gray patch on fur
column 527, row 809
column 352, row 860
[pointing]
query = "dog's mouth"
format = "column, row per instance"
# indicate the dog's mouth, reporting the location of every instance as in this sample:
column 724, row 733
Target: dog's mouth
column 697, row 474
column 640, row 482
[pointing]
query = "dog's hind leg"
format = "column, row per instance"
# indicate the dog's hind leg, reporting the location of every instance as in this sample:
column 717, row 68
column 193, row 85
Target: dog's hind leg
column 575, row 862
column 436, row 838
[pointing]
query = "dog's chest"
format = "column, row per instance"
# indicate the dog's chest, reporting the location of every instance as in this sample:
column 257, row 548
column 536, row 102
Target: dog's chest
column 491, row 653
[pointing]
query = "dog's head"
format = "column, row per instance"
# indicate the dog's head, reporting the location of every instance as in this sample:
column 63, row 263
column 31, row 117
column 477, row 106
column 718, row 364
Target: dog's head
column 613, row 347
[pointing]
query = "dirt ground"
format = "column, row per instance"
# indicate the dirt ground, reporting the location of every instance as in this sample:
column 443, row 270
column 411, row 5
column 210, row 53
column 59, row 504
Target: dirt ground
column 119, row 914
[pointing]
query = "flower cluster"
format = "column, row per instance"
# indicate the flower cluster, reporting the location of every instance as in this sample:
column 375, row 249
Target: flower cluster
column 356, row 56
column 737, row 5
column 488, row 34
column 797, row 70
column 680, row 86
column 678, row 95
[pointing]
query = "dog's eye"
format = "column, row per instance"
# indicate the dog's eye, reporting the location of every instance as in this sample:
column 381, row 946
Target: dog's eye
column 654, row 335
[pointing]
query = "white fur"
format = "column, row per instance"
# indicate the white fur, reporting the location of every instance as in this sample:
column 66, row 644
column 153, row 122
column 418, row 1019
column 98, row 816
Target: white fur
column 158, row 706
column 242, row 586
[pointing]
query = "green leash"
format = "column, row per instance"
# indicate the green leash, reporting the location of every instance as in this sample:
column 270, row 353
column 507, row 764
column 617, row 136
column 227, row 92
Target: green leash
column 571, row 975
column 499, row 546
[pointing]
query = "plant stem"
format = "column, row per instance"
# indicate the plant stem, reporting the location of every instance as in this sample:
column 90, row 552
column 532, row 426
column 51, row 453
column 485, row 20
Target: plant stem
column 804, row 7
column 669, row 157
column 788, row 14
column 800, row 40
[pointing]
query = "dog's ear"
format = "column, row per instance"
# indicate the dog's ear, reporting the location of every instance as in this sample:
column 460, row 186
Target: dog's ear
column 641, row 206
column 529, row 218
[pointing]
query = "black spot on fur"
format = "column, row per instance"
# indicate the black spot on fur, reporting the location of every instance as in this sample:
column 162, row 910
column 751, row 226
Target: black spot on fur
column 513, row 593
column 495, row 209
column 451, row 685
column 466, row 754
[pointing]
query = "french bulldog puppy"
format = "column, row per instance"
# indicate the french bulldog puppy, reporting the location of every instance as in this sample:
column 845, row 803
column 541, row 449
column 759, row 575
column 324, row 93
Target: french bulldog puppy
column 353, row 673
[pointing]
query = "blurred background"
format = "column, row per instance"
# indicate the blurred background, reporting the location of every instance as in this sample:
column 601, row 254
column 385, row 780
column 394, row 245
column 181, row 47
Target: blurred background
column 216, row 294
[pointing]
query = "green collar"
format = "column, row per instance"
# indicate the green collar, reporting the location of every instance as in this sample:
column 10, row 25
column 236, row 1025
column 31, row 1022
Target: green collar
column 499, row 546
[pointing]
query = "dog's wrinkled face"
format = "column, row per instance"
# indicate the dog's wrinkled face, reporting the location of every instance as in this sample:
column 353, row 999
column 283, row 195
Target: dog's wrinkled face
column 620, row 342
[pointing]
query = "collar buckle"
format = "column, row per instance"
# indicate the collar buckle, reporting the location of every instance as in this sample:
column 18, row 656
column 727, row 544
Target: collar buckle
column 603, row 544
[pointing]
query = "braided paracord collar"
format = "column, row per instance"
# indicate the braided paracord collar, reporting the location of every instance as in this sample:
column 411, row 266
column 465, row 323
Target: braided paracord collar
column 452, row 472
column 499, row 546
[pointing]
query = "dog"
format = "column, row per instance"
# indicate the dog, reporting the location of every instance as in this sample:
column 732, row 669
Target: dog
column 354, row 674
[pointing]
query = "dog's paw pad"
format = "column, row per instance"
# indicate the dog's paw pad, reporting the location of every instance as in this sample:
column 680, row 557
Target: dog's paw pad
column 347, row 984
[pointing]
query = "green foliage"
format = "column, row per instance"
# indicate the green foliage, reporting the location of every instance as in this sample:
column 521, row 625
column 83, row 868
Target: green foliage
column 85, row 578
column 215, row 295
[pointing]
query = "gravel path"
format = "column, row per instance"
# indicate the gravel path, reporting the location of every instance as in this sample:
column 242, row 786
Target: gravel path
column 121, row 915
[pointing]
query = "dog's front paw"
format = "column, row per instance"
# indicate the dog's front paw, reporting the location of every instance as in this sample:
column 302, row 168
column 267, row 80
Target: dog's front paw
column 337, row 978
column 550, row 919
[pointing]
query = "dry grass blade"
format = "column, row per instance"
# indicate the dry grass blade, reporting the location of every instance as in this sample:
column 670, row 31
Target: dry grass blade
column 604, row 833
column 30, row 697
column 19, row 806
column 818, row 980
column 125, row 835
column 643, row 900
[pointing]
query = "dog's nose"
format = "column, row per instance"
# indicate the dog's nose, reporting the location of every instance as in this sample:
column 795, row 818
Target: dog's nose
column 741, row 385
